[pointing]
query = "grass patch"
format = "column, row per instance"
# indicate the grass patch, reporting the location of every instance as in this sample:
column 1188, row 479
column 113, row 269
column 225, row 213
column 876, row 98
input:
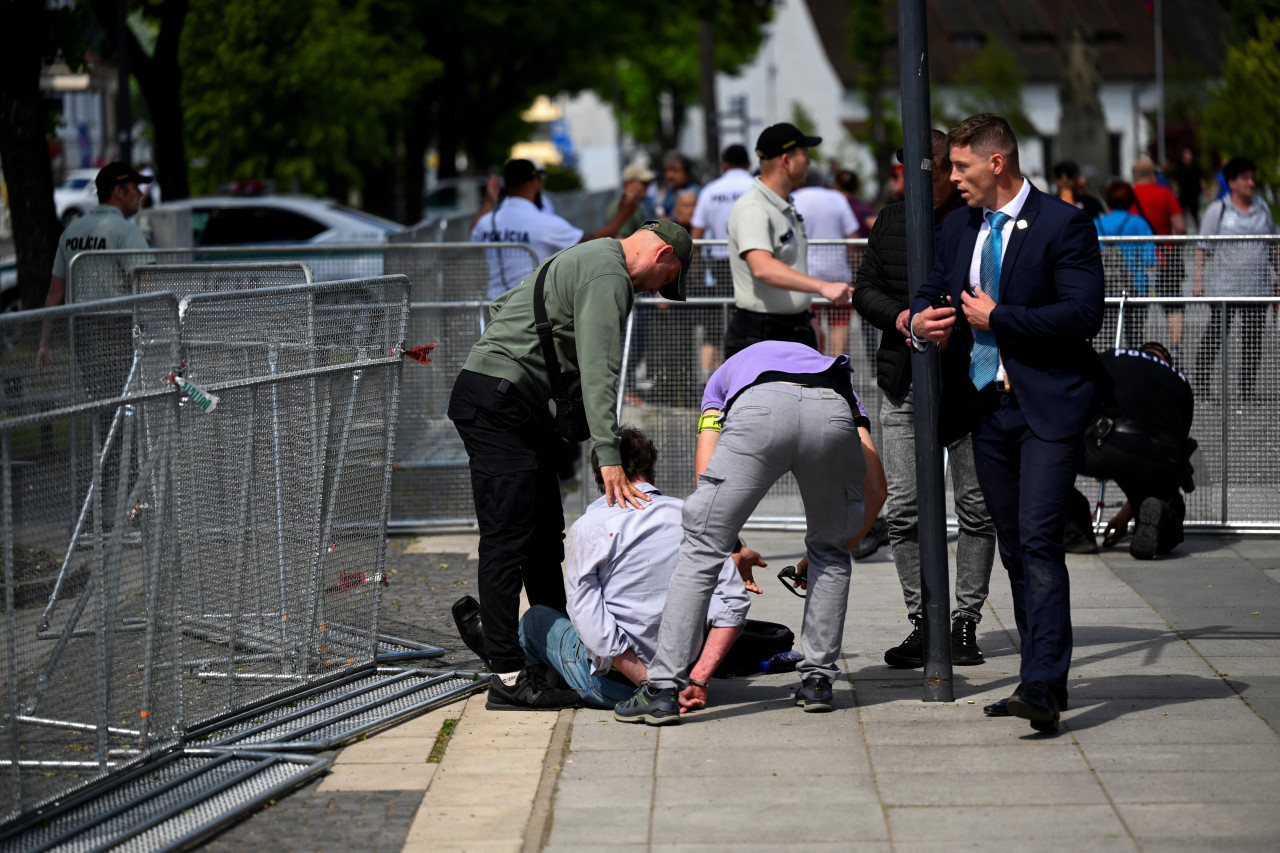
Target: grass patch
column 442, row 740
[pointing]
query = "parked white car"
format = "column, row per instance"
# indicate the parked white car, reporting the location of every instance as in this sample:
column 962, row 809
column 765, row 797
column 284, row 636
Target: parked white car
column 275, row 221
column 76, row 195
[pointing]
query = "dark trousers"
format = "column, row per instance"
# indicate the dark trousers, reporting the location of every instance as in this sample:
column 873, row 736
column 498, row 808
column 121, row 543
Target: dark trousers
column 751, row 327
column 1027, row 483
column 1143, row 468
column 512, row 450
column 1252, row 319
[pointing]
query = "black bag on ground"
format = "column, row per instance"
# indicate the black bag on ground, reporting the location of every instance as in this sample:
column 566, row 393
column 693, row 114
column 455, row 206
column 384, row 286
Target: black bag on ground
column 571, row 414
column 758, row 642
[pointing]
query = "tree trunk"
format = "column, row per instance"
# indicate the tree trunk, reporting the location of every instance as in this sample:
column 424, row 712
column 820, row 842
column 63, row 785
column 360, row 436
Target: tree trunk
column 24, row 153
column 159, row 77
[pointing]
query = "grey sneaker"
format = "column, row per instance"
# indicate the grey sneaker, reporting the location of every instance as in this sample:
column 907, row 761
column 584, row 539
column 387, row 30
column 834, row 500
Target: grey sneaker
column 657, row 707
column 814, row 694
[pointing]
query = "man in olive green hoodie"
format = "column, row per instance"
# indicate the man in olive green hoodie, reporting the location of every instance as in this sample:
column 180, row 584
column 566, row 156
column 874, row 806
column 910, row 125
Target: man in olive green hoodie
column 499, row 407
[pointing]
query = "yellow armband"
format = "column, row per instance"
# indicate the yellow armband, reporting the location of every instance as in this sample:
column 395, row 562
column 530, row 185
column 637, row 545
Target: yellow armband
column 706, row 422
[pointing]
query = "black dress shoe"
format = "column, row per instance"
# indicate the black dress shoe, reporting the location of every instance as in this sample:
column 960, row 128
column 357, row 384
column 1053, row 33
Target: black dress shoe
column 466, row 616
column 997, row 709
column 1035, row 702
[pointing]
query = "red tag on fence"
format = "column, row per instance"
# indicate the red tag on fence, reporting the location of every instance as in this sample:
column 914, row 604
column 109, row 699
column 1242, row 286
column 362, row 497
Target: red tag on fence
column 421, row 353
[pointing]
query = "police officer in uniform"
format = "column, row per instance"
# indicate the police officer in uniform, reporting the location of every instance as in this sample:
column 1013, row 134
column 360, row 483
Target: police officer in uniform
column 105, row 345
column 1142, row 442
column 768, row 250
column 517, row 217
column 106, row 226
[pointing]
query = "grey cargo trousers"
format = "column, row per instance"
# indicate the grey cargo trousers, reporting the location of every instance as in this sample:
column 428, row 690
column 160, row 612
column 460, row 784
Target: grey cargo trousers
column 772, row 428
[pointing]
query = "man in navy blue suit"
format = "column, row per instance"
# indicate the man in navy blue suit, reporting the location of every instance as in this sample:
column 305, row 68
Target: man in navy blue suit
column 1024, row 270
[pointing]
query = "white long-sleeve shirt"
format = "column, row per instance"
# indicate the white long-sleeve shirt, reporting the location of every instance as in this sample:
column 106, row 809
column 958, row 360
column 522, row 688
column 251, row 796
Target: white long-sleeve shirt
column 618, row 565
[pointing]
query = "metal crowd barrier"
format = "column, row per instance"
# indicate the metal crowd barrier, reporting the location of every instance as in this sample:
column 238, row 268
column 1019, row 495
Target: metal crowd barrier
column 193, row 498
column 672, row 349
column 584, row 209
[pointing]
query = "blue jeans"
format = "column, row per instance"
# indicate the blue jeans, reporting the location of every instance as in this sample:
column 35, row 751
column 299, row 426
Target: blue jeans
column 547, row 636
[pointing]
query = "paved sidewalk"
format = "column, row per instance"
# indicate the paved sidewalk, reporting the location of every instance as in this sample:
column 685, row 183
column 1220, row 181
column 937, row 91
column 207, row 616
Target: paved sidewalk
column 1170, row 742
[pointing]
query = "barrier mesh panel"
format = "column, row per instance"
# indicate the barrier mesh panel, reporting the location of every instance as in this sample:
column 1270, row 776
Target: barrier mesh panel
column 89, row 556
column 282, row 487
column 431, row 479
column 186, row 279
column 1235, row 472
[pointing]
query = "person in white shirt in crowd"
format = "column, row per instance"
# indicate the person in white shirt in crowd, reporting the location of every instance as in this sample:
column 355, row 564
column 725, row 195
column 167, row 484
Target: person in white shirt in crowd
column 711, row 222
column 618, row 563
column 827, row 216
column 516, row 217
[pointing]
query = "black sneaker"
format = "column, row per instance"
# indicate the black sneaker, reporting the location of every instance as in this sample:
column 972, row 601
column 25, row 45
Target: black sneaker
column 876, row 538
column 529, row 693
column 910, row 654
column 1146, row 535
column 1084, row 542
column 964, row 643
column 466, row 616
column 655, row 706
column 814, row 694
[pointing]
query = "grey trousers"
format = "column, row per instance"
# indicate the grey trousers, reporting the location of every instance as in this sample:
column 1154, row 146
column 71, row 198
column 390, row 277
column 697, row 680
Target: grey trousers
column 772, row 429
column 976, row 547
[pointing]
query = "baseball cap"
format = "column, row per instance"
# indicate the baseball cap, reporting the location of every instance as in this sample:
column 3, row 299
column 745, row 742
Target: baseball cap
column 517, row 173
column 677, row 238
column 778, row 139
column 637, row 172
column 116, row 173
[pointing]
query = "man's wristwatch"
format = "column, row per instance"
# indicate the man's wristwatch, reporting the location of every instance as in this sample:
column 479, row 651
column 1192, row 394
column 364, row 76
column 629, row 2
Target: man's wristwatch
column 695, row 682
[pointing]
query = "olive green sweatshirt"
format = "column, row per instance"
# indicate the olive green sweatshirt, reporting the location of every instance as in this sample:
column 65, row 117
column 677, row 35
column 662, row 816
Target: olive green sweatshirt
column 588, row 296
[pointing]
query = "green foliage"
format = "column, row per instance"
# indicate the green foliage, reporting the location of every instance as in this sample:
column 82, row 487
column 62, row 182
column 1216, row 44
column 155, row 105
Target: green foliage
column 1243, row 113
column 664, row 61
column 296, row 90
column 991, row 83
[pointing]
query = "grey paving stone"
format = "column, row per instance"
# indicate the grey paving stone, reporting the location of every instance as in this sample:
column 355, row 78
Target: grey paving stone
column 622, row 792
column 783, row 762
column 1002, row 826
column 1152, row 823
column 1191, row 786
column 587, row 824
column 607, row 764
column 984, row 788
column 836, row 821
column 594, row 730
column 1058, row 755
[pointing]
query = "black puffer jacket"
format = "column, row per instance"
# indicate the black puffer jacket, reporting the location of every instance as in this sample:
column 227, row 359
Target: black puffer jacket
column 880, row 295
column 880, row 292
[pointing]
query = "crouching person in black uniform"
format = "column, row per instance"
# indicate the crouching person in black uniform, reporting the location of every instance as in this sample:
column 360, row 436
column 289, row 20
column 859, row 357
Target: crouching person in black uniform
column 1143, row 443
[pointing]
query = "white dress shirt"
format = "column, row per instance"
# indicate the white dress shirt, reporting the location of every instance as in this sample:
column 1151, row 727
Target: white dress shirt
column 618, row 565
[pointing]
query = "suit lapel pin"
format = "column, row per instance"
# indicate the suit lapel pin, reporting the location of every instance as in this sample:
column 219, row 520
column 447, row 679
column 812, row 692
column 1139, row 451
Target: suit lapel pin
column 1022, row 223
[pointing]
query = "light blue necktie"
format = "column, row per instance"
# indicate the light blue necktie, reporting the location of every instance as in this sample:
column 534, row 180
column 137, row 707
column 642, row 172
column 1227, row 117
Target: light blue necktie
column 982, row 364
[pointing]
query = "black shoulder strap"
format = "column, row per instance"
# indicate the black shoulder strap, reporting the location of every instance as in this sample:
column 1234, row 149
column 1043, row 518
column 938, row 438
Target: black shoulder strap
column 543, row 325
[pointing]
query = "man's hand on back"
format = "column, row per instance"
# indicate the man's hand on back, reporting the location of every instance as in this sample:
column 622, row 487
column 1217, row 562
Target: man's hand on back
column 617, row 488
